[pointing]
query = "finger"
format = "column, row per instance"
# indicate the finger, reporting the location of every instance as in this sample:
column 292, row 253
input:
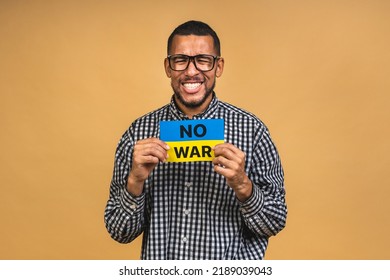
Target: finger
column 155, row 141
column 149, row 159
column 226, row 163
column 222, row 170
column 143, row 154
column 228, row 151
column 230, row 159
column 150, row 147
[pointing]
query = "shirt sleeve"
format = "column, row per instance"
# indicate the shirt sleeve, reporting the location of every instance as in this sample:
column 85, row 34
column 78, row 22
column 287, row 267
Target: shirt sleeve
column 124, row 213
column 265, row 212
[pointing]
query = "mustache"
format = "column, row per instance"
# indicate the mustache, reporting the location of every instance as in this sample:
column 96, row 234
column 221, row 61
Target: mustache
column 195, row 79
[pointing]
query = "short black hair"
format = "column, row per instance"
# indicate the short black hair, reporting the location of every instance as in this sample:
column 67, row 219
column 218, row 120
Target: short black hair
column 197, row 28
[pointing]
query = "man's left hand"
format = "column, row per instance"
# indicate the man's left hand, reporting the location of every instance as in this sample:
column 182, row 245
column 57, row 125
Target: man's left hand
column 229, row 161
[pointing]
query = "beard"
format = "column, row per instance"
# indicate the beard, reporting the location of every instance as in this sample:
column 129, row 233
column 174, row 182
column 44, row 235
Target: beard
column 194, row 104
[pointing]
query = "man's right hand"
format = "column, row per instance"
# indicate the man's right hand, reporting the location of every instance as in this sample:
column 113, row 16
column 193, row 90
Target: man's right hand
column 146, row 155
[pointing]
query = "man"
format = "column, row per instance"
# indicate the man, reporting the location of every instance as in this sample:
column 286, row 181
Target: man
column 226, row 208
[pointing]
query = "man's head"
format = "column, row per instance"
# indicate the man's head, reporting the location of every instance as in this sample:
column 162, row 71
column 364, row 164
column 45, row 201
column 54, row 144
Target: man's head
column 193, row 64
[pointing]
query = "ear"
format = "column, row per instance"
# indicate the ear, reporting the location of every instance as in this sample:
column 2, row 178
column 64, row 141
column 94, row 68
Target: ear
column 167, row 68
column 220, row 65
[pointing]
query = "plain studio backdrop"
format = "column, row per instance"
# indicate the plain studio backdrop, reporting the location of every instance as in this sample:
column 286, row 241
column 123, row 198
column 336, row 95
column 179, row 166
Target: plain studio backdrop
column 75, row 74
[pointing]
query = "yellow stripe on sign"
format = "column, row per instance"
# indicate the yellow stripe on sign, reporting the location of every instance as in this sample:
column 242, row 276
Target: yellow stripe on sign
column 184, row 151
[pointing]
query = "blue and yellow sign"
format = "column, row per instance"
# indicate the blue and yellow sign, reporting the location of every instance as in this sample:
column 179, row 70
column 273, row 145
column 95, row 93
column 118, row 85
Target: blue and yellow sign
column 192, row 140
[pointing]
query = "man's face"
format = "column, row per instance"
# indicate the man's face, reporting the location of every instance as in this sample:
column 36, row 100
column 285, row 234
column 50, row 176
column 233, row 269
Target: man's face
column 193, row 88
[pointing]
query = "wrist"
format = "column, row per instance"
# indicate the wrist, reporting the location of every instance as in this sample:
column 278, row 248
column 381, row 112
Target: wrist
column 244, row 192
column 134, row 187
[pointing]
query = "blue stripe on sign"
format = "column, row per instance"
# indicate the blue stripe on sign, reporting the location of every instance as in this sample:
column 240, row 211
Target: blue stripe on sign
column 188, row 130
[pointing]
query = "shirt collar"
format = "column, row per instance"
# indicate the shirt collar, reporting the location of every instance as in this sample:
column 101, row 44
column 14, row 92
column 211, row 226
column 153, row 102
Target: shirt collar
column 177, row 114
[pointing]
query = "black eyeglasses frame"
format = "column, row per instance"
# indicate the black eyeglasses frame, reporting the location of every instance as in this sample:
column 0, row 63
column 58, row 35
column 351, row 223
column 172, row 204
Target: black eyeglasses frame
column 193, row 58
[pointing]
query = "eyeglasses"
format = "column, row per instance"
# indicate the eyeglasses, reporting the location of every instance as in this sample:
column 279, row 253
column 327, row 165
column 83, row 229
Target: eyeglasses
column 202, row 62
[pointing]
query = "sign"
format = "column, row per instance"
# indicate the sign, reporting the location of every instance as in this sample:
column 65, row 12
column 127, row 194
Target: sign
column 192, row 140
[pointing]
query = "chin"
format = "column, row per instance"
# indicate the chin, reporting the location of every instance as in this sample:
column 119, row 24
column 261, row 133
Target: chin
column 193, row 101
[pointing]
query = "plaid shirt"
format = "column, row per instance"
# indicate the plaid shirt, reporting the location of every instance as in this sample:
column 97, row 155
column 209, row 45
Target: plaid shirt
column 186, row 210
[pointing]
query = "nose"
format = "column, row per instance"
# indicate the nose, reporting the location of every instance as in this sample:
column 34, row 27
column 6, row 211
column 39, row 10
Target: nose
column 191, row 69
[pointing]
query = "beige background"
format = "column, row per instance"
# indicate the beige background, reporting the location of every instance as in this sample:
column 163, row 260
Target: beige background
column 75, row 74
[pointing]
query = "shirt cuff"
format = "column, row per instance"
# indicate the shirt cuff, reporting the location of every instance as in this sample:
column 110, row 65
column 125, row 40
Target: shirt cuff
column 132, row 204
column 253, row 204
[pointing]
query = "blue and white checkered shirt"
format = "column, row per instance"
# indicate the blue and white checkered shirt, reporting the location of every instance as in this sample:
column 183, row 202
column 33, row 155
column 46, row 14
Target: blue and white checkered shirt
column 186, row 210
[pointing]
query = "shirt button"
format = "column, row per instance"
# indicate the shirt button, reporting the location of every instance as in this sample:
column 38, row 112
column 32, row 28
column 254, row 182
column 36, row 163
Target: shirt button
column 186, row 212
column 184, row 239
column 133, row 206
column 188, row 184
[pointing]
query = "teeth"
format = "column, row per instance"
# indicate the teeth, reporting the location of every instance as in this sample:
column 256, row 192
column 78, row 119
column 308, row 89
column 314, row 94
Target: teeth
column 191, row 85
